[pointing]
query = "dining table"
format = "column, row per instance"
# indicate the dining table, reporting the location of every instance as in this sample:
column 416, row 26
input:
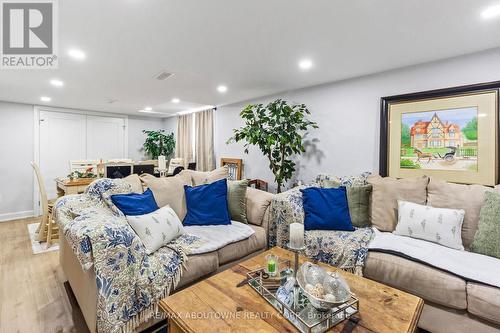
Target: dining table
column 66, row 186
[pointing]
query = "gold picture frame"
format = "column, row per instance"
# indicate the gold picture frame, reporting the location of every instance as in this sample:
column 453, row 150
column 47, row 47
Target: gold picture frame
column 234, row 167
column 450, row 134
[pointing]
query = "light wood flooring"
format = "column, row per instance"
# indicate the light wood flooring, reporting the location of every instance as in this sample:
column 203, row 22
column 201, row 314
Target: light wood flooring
column 33, row 295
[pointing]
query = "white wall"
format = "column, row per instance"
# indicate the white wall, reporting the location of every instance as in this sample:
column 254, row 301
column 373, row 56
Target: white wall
column 348, row 114
column 16, row 152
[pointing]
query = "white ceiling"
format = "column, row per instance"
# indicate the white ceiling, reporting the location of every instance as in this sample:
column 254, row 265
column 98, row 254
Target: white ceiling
column 253, row 47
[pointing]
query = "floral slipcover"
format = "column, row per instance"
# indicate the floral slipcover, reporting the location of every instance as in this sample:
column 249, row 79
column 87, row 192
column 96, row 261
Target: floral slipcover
column 129, row 282
column 347, row 181
column 343, row 249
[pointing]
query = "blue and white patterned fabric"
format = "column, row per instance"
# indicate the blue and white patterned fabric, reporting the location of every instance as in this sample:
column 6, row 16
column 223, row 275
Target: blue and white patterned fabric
column 130, row 283
column 346, row 250
column 347, row 181
column 103, row 189
column 343, row 249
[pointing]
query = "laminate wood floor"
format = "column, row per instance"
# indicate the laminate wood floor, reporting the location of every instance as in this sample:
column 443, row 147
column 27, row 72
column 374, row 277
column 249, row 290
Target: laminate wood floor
column 34, row 297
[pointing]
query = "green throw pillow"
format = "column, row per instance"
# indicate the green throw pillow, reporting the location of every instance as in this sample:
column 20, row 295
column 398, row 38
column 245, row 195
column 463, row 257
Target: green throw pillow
column 236, row 199
column 358, row 199
column 488, row 233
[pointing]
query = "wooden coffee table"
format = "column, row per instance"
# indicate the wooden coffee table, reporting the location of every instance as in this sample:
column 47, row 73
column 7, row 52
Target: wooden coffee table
column 217, row 305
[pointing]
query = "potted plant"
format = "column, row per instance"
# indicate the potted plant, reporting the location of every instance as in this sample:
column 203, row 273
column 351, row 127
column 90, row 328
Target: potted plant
column 158, row 143
column 278, row 130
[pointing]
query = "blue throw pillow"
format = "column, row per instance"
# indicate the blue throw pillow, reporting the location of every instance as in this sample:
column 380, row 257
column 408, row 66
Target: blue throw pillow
column 326, row 209
column 133, row 204
column 207, row 204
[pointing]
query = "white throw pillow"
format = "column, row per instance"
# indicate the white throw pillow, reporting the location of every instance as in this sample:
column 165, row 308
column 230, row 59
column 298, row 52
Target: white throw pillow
column 438, row 225
column 157, row 229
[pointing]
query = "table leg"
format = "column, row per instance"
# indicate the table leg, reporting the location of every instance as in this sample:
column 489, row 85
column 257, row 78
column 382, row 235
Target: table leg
column 60, row 192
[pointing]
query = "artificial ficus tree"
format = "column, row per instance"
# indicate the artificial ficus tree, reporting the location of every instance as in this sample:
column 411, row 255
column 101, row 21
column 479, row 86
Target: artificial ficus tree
column 278, row 130
column 158, row 143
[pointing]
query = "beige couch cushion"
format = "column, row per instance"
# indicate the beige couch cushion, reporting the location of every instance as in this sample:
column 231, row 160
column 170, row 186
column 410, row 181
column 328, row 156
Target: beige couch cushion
column 244, row 247
column 440, row 319
column 257, row 203
column 197, row 266
column 467, row 197
column 168, row 191
column 484, row 301
column 200, row 178
column 385, row 195
column 424, row 281
column 135, row 182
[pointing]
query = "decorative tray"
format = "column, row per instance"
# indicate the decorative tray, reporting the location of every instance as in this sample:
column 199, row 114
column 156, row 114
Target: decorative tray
column 301, row 314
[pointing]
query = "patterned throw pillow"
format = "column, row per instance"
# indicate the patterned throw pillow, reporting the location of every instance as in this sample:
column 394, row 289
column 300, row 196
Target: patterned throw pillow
column 487, row 238
column 156, row 229
column 438, row 225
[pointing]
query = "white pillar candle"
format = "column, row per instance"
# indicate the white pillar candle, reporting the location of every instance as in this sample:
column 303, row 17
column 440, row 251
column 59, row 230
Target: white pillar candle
column 162, row 163
column 296, row 235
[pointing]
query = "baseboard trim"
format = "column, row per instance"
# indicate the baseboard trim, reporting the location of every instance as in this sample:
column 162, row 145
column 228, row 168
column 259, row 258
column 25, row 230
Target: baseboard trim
column 15, row 216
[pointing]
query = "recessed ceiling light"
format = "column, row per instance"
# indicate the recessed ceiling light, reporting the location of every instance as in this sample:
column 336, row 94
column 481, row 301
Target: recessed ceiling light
column 491, row 12
column 45, row 99
column 148, row 108
column 57, row 83
column 222, row 89
column 175, row 100
column 76, row 54
column 146, row 111
column 305, row 64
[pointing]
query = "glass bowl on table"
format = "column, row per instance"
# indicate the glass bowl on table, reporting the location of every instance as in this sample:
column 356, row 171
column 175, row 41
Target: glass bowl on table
column 324, row 290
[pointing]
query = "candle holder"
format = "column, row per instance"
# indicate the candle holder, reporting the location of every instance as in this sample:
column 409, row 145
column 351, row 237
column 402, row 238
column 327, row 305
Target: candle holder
column 296, row 287
column 163, row 173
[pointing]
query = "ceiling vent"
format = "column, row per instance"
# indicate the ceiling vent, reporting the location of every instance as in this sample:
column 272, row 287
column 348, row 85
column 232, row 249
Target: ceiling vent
column 163, row 75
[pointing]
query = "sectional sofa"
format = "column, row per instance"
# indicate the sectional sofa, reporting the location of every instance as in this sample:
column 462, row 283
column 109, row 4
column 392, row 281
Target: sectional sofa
column 83, row 282
column 453, row 303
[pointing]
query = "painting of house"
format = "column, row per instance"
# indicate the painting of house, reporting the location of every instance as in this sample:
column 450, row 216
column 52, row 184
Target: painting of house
column 440, row 140
column 435, row 134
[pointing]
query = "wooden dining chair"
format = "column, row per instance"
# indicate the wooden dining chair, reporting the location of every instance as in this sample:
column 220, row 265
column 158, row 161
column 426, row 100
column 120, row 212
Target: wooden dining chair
column 174, row 163
column 47, row 229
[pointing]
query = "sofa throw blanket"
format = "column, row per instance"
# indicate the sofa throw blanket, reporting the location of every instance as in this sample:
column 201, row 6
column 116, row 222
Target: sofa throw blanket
column 129, row 282
column 343, row 249
column 286, row 208
column 215, row 237
column 467, row 265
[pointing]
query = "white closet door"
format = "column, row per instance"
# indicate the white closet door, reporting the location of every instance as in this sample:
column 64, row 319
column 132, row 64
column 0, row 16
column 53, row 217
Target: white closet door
column 105, row 138
column 62, row 138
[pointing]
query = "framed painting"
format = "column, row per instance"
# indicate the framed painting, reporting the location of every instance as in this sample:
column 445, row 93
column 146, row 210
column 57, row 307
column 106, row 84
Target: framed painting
column 234, row 165
column 449, row 133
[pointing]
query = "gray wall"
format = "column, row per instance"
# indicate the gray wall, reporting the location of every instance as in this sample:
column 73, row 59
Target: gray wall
column 348, row 114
